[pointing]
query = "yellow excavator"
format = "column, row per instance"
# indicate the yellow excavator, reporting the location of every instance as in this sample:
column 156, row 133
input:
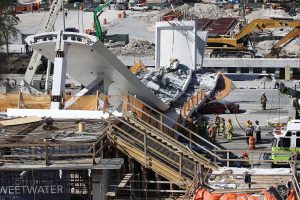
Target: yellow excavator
column 237, row 46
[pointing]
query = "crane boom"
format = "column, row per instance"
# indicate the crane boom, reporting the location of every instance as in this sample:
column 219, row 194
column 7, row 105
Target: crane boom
column 97, row 24
column 36, row 57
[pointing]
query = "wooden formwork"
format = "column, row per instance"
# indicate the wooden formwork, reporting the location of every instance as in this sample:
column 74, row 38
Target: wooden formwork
column 14, row 100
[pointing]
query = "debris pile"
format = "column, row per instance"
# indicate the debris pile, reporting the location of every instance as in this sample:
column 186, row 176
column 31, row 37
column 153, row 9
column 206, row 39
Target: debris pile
column 134, row 48
column 205, row 81
column 233, row 178
column 199, row 10
column 292, row 49
column 269, row 13
column 211, row 11
column 167, row 83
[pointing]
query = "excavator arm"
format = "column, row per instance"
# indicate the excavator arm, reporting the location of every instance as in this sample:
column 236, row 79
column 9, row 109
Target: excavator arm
column 284, row 41
column 257, row 24
column 261, row 24
column 237, row 45
column 97, row 13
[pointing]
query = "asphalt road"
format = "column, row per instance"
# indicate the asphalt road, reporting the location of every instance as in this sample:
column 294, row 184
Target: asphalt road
column 277, row 111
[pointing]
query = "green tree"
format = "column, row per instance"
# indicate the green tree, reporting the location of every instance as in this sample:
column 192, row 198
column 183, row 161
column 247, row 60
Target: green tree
column 8, row 23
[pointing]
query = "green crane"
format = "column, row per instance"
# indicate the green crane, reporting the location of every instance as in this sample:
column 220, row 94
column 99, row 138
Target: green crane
column 97, row 25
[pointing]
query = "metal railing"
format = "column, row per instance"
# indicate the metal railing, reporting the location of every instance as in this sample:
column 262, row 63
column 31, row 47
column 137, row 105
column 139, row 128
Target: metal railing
column 159, row 123
column 151, row 148
column 50, row 151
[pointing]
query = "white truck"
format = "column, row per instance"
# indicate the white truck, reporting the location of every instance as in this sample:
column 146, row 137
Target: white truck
column 138, row 7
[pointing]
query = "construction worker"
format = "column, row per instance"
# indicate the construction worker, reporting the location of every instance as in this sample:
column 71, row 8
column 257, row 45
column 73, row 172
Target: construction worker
column 212, row 132
column 222, row 127
column 66, row 13
column 229, row 130
column 248, row 179
column 257, row 131
column 217, row 123
column 263, row 101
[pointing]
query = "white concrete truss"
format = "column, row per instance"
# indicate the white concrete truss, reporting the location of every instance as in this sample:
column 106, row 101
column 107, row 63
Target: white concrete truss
column 88, row 60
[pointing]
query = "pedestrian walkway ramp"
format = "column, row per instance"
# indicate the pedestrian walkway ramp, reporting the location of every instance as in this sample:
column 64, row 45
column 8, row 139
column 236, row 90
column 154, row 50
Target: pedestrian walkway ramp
column 153, row 143
column 88, row 61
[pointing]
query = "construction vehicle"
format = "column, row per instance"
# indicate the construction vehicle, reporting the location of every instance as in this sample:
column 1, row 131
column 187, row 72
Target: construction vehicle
column 97, row 25
column 237, row 46
column 275, row 51
column 36, row 56
column 287, row 5
column 121, row 5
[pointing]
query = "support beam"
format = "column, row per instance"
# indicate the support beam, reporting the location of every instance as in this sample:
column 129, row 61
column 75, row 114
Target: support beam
column 47, row 77
column 59, row 80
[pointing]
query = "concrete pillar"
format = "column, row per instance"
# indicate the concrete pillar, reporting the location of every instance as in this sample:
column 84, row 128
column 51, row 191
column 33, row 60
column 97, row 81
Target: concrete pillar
column 287, row 72
column 59, row 80
column 277, row 73
column 264, row 70
column 238, row 70
column 171, row 188
column 157, row 185
column 100, row 181
column 250, row 70
column 47, row 77
column 144, row 179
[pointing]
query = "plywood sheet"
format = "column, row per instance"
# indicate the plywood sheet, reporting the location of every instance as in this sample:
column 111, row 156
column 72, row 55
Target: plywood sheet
column 18, row 121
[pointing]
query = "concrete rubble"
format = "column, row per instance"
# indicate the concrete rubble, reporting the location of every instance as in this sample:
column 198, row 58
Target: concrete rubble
column 233, row 178
column 200, row 80
column 168, row 84
column 134, row 48
column 199, row 10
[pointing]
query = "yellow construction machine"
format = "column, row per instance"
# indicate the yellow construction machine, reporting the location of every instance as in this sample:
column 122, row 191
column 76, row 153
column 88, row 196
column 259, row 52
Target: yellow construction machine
column 237, row 46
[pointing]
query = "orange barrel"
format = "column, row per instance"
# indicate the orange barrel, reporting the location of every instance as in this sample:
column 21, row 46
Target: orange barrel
column 203, row 194
column 251, row 143
column 104, row 21
column 119, row 15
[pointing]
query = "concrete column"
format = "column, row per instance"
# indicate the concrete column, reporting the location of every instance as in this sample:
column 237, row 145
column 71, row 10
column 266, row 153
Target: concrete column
column 250, row 70
column 144, row 179
column 47, row 77
column 59, row 80
column 100, row 181
column 287, row 71
column 157, row 185
column 238, row 70
column 277, row 73
column 264, row 70
column 171, row 188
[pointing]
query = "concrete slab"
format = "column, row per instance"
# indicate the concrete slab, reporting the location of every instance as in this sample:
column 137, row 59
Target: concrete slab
column 251, row 62
column 175, row 39
column 78, row 164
